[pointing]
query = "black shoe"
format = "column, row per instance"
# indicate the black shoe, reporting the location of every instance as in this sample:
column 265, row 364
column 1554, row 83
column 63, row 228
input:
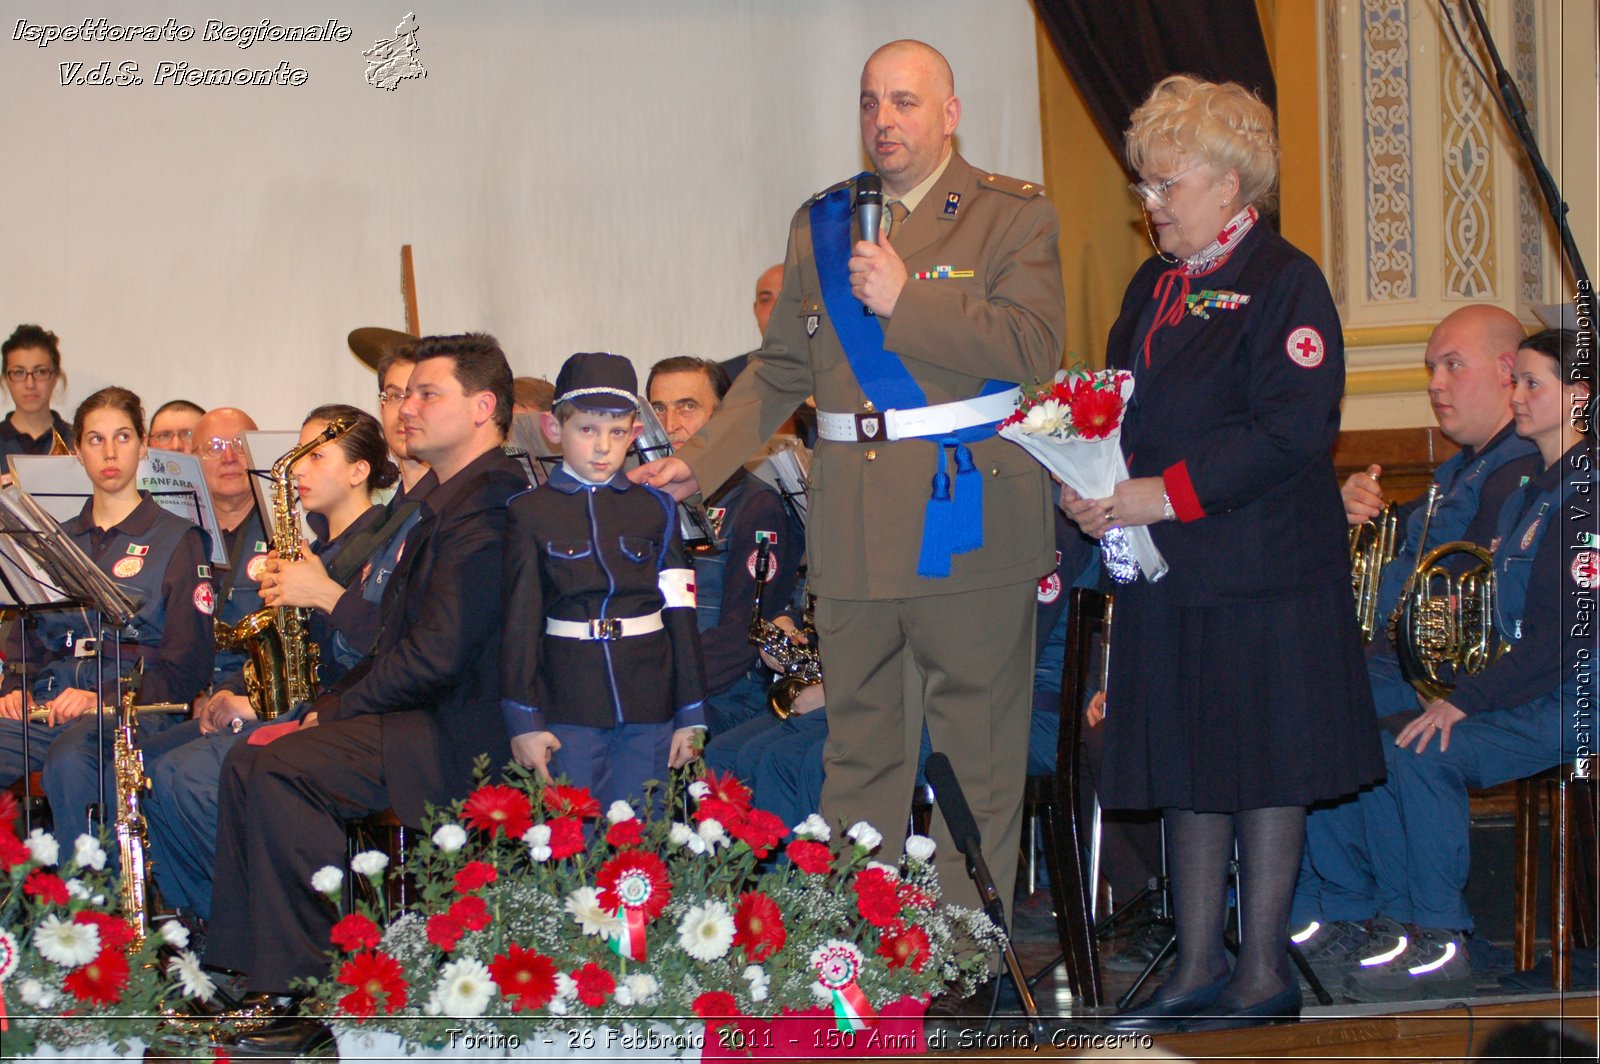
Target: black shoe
column 1168, row 1014
column 1282, row 1007
column 289, row 1037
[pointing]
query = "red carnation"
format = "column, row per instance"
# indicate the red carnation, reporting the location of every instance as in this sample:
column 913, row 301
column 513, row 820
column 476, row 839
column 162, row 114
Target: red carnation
column 595, row 984
column 45, row 886
column 499, row 809
column 1096, row 412
column 376, row 978
column 526, row 979
column 909, row 946
column 877, row 897
column 475, row 875
column 759, row 830
column 444, row 931
column 102, row 980
column 8, row 810
column 717, row 1008
column 115, row 932
column 13, row 851
column 625, row 833
column 813, row 858
column 355, row 932
column 725, row 813
column 571, row 801
column 566, row 837
column 758, row 927
column 648, row 876
column 471, row 912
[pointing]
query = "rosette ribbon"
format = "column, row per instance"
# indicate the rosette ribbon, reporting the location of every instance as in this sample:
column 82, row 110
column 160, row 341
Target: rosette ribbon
column 838, row 964
column 10, row 957
column 634, row 890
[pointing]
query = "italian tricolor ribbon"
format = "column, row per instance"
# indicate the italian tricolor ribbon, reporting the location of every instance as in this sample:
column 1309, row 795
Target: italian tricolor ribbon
column 629, row 943
column 837, row 964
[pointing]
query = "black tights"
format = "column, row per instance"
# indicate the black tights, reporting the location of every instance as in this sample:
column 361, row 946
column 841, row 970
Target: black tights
column 1199, row 846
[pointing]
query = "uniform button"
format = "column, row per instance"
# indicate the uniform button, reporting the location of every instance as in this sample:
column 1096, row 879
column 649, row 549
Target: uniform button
column 866, row 404
column 872, row 456
column 994, row 472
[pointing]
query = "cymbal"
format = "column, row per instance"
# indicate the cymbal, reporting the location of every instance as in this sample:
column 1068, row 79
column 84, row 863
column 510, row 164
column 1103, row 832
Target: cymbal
column 373, row 343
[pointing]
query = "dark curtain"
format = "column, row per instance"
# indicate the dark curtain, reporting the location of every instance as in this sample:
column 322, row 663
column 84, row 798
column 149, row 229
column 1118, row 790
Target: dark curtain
column 1116, row 50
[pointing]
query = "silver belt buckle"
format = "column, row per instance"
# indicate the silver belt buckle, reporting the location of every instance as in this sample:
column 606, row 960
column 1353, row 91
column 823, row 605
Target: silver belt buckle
column 606, row 629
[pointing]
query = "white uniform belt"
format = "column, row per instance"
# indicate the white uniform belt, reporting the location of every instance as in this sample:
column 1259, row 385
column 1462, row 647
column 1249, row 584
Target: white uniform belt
column 605, row 629
column 939, row 420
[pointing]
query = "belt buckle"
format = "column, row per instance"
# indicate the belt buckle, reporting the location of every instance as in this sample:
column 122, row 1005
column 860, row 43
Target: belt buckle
column 871, row 428
column 606, row 629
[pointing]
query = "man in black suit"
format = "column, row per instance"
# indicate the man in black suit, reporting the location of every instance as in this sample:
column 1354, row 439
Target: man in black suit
column 403, row 727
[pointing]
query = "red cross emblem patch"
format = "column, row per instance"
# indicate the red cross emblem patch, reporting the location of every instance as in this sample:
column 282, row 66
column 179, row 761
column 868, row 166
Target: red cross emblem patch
column 1586, row 570
column 1305, row 347
column 205, row 599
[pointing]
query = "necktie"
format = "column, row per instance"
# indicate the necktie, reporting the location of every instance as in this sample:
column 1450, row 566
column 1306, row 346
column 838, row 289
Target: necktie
column 897, row 214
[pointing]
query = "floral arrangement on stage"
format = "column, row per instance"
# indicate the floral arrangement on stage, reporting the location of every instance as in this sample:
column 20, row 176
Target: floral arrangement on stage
column 540, row 909
column 72, row 971
column 1073, row 427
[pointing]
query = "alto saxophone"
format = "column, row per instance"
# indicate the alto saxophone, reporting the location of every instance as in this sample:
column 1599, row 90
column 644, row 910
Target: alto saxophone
column 282, row 668
column 135, row 895
column 799, row 666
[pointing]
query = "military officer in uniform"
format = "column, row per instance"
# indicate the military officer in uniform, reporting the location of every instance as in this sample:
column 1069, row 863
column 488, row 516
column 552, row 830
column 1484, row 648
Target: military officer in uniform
column 927, row 535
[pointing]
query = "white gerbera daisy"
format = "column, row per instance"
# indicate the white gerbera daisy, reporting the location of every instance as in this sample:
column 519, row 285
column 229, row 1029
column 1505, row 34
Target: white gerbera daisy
column 88, row 853
column 66, row 943
column 583, row 905
column 465, row 988
column 1045, row 419
column 706, row 931
column 450, row 837
column 192, row 979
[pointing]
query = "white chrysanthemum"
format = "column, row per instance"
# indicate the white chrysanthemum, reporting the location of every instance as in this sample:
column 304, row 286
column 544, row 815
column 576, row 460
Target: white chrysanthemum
column 174, row 934
column 706, row 931
column 327, row 879
column 1045, row 419
column 369, row 863
column 465, row 988
column 620, row 811
column 712, row 834
column 66, row 943
column 42, row 846
column 758, row 979
column 583, row 905
column 450, row 837
column 88, row 853
column 920, row 848
column 699, row 789
column 814, row 828
column 538, row 839
column 865, row 835
column 192, row 979
column 642, row 987
column 32, row 992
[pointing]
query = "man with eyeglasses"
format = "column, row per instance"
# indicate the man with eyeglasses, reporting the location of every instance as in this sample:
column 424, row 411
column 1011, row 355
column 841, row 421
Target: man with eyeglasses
column 173, row 425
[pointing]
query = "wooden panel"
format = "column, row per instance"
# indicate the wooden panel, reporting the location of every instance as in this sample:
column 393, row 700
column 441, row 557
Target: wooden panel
column 1403, row 454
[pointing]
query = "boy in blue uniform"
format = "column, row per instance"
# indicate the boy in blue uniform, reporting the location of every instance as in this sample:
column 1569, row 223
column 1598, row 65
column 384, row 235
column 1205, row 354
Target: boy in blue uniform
column 601, row 674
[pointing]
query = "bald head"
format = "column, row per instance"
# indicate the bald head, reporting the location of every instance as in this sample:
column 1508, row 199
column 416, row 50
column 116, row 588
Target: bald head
column 925, row 56
column 768, row 285
column 1469, row 360
column 909, row 112
column 222, row 460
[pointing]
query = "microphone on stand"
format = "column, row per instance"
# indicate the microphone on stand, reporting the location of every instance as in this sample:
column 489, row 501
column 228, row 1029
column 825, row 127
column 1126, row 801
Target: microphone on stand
column 869, row 212
column 963, row 827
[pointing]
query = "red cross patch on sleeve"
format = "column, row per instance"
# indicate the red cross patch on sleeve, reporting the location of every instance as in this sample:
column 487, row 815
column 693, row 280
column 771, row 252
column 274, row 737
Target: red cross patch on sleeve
column 1305, row 347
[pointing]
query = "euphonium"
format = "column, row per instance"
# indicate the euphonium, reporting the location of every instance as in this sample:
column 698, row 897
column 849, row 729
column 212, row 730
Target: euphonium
column 282, row 668
column 1372, row 546
column 799, row 665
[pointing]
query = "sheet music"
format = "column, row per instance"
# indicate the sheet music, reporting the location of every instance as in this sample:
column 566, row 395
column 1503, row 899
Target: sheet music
column 41, row 566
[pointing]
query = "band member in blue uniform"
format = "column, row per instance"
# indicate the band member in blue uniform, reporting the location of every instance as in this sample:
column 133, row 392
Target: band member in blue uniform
column 159, row 561
column 31, row 357
column 744, row 511
column 219, row 443
column 1511, row 719
column 1233, row 677
column 601, row 677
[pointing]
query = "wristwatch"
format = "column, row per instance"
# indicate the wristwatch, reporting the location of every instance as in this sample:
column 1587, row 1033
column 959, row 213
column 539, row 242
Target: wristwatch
column 1167, row 512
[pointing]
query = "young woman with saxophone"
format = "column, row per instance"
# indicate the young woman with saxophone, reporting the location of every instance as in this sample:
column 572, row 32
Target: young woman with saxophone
column 159, row 560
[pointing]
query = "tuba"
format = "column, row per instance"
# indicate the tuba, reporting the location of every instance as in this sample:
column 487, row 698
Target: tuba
column 1443, row 626
column 1373, row 544
column 282, row 668
column 800, row 667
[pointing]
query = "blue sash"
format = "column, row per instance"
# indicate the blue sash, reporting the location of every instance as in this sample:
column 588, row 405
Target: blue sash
column 953, row 521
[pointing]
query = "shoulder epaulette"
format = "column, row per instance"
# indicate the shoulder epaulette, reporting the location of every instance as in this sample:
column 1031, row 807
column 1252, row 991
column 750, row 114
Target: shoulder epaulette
column 1014, row 185
column 830, row 190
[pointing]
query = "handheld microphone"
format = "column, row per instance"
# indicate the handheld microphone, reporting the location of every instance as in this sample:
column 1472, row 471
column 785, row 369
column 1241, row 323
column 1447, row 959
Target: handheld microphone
column 869, row 207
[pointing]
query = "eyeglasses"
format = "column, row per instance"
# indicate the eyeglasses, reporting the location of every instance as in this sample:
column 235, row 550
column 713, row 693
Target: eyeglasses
column 391, row 395
column 16, row 374
column 167, row 436
column 212, row 449
column 1145, row 192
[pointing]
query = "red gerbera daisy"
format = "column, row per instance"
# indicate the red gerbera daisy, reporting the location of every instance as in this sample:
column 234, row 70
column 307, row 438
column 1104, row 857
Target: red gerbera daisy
column 526, row 979
column 636, row 879
column 877, row 896
column 812, row 858
column 595, row 984
column 566, row 837
column 102, row 980
column 728, row 788
column 355, row 932
column 45, row 886
column 909, row 946
column 114, row 930
column 475, row 875
column 571, row 801
column 1096, row 412
column 377, row 980
column 625, row 833
column 758, row 927
column 497, row 808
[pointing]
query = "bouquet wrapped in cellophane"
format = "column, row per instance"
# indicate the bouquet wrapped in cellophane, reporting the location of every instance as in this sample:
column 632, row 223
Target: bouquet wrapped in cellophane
column 1073, row 426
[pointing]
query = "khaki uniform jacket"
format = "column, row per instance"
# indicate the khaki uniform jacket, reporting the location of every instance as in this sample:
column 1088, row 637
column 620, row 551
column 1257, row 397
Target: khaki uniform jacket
column 1003, row 323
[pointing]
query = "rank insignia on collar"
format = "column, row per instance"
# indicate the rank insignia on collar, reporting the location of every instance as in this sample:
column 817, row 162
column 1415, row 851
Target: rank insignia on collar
column 952, row 203
column 812, row 321
column 1213, row 299
column 943, row 273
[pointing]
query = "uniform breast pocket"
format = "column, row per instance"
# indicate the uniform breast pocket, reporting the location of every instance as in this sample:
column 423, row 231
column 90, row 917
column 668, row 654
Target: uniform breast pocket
column 637, row 549
column 569, row 551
